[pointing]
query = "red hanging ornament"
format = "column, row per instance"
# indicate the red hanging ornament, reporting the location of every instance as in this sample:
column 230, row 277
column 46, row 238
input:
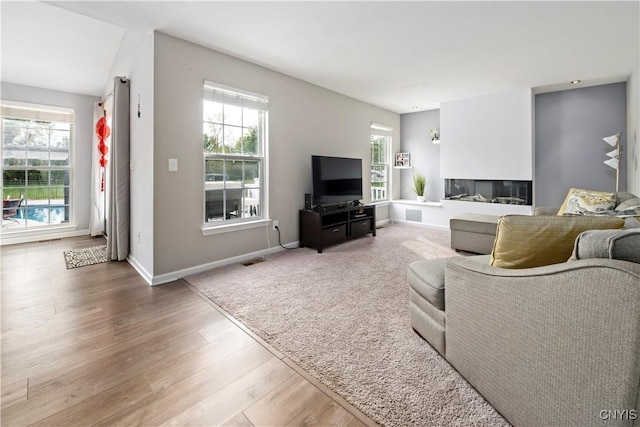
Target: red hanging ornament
column 102, row 131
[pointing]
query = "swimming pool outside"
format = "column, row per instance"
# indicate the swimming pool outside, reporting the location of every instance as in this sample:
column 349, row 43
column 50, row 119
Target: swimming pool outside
column 42, row 215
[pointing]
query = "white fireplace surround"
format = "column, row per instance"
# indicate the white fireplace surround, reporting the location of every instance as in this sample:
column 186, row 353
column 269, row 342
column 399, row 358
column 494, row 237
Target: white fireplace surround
column 488, row 137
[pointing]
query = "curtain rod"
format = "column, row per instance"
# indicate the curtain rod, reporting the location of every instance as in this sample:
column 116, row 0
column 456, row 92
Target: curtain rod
column 105, row 99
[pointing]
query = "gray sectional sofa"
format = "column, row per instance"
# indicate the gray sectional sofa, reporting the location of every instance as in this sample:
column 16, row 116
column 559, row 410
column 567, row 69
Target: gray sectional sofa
column 552, row 345
column 471, row 232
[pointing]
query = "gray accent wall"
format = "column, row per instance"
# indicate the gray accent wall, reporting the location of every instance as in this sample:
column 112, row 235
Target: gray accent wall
column 569, row 150
column 415, row 137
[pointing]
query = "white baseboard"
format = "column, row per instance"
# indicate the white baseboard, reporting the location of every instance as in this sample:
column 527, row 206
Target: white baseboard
column 13, row 238
column 175, row 275
column 424, row 224
column 140, row 269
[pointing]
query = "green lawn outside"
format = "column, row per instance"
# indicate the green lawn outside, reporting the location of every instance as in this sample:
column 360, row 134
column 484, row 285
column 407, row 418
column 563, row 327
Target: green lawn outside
column 34, row 193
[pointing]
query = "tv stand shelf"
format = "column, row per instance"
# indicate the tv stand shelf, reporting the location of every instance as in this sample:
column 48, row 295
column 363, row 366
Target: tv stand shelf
column 319, row 229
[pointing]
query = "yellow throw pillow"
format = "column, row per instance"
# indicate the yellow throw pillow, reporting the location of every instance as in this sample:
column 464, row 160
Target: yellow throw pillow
column 524, row 241
column 579, row 201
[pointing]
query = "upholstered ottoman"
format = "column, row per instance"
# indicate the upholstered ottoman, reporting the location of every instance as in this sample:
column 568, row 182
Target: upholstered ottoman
column 426, row 300
column 473, row 232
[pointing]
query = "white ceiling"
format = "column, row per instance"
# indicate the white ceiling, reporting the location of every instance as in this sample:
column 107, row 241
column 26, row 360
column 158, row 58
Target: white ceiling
column 403, row 56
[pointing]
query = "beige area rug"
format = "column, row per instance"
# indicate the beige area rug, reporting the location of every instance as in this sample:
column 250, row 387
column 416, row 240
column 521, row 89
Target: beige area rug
column 85, row 256
column 343, row 316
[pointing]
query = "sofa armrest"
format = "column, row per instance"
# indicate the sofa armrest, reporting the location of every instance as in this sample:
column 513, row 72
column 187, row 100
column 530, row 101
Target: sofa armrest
column 551, row 345
column 543, row 210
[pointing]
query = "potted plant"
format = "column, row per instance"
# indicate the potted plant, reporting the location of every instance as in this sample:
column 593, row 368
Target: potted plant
column 419, row 184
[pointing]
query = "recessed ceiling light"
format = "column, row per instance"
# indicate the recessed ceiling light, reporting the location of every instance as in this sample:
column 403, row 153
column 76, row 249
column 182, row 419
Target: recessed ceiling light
column 575, row 82
column 415, row 107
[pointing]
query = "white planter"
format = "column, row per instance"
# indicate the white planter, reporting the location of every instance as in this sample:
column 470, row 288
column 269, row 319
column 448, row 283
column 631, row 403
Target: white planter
column 420, row 198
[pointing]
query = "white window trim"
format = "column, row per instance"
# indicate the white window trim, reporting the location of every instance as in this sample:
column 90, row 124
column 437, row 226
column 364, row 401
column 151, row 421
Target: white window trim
column 210, row 230
column 386, row 131
column 50, row 113
column 248, row 99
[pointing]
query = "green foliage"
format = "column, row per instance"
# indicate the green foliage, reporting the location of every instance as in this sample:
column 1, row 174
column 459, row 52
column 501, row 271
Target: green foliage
column 211, row 144
column 247, row 144
column 419, row 183
column 378, row 149
column 34, row 193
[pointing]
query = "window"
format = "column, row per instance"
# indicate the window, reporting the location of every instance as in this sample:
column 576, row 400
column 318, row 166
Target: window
column 380, row 144
column 36, row 165
column 234, row 143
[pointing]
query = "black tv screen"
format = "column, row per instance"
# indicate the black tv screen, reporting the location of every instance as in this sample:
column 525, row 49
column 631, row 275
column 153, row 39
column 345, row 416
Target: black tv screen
column 336, row 180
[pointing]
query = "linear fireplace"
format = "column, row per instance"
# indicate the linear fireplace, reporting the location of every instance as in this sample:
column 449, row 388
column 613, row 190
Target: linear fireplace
column 489, row 191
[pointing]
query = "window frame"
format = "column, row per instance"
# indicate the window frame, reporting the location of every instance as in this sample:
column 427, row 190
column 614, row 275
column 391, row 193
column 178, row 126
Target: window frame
column 226, row 95
column 41, row 113
column 381, row 131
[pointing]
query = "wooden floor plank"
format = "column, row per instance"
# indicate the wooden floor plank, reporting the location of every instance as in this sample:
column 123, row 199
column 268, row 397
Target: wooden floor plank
column 61, row 392
column 283, row 403
column 13, row 394
column 222, row 405
column 151, row 329
column 169, row 402
column 100, row 406
column 238, row 421
column 175, row 370
column 322, row 412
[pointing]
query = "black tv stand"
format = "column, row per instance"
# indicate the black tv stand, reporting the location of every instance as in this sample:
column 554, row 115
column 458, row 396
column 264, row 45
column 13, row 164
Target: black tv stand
column 319, row 229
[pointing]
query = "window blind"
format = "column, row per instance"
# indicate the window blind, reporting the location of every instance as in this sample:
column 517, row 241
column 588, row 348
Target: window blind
column 227, row 95
column 380, row 130
column 16, row 110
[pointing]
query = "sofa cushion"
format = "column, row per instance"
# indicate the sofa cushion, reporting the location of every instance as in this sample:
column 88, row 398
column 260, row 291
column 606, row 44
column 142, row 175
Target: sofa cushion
column 627, row 200
column 524, row 241
column 628, row 204
column 612, row 244
column 427, row 279
column 579, row 201
column 476, row 223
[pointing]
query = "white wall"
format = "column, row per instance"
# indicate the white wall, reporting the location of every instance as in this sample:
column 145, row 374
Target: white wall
column 633, row 145
column 303, row 120
column 83, row 137
column 135, row 61
column 488, row 137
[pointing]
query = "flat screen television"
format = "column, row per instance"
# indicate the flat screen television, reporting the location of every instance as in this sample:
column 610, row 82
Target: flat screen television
column 336, row 180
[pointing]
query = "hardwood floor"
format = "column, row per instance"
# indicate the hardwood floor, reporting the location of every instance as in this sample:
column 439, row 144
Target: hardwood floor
column 97, row 346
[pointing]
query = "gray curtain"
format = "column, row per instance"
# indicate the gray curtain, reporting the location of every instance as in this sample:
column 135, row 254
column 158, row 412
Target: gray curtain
column 118, row 216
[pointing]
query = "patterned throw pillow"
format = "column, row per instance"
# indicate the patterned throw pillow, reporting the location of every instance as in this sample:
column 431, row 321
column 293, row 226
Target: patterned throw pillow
column 579, row 201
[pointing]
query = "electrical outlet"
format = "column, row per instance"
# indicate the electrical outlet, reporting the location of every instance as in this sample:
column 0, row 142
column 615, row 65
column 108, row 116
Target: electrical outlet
column 274, row 223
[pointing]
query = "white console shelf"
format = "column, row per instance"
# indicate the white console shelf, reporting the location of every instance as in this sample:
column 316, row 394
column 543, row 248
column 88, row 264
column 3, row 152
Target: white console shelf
column 439, row 213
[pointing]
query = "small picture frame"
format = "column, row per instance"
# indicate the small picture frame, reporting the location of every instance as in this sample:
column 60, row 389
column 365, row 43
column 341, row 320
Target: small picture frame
column 403, row 160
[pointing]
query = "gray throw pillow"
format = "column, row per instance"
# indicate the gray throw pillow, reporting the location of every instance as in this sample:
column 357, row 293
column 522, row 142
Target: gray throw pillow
column 614, row 244
column 625, row 203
